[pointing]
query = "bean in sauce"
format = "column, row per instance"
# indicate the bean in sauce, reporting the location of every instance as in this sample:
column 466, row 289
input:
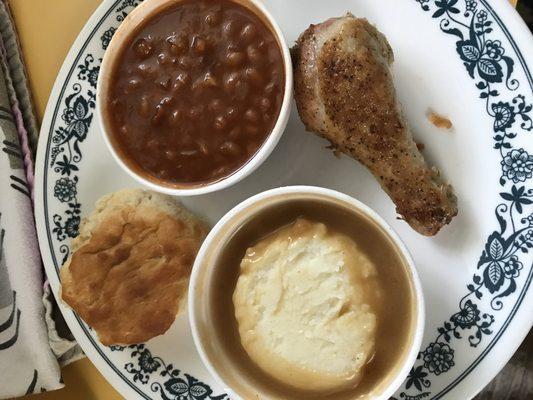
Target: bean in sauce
column 195, row 92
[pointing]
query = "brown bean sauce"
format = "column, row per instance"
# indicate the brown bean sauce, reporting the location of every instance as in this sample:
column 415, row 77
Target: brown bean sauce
column 195, row 91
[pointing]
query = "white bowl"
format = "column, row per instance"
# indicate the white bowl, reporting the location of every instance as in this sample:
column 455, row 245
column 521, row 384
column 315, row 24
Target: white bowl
column 128, row 26
column 205, row 336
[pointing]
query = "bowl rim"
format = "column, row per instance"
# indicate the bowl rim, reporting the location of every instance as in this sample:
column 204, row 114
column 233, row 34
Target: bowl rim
column 123, row 32
column 194, row 301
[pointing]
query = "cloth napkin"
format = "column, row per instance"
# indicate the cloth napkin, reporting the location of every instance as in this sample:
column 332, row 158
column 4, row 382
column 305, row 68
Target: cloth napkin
column 29, row 346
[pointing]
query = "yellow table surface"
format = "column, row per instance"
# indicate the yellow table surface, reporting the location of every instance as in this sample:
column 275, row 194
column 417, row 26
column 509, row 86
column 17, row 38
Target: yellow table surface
column 47, row 29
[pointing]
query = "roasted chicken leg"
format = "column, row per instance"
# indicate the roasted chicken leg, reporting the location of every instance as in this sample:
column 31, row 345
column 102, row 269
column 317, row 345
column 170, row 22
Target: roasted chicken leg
column 344, row 92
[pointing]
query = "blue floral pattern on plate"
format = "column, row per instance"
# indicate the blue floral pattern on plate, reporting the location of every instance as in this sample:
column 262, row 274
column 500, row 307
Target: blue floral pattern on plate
column 175, row 385
column 499, row 265
column 490, row 62
column 65, row 155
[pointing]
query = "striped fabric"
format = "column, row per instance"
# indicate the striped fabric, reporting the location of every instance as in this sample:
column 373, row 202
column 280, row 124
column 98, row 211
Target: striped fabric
column 27, row 362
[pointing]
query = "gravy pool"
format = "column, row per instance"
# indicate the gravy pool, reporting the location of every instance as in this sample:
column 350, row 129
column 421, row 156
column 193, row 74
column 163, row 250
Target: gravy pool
column 396, row 318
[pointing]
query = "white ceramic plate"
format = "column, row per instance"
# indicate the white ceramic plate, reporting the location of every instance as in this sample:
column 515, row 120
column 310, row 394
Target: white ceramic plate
column 468, row 60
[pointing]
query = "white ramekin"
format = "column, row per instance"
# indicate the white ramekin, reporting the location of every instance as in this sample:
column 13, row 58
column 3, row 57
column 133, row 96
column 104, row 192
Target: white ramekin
column 203, row 269
column 131, row 22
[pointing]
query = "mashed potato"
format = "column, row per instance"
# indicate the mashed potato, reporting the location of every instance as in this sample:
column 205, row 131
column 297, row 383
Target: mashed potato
column 302, row 303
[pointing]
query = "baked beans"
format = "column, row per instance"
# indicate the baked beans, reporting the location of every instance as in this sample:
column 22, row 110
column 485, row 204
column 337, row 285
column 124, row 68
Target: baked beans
column 195, row 91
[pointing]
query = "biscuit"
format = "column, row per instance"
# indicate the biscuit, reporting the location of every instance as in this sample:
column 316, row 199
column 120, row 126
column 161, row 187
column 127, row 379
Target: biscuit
column 128, row 273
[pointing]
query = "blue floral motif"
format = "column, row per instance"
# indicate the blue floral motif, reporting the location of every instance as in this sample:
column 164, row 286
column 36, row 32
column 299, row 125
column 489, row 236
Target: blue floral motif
column 148, row 363
column 482, row 16
column 125, row 7
column 54, row 153
column 494, row 49
column 445, row 7
column 69, row 228
column 512, row 267
column 65, row 166
column 417, row 377
column 145, row 364
column 471, row 5
column 72, row 225
column 188, row 388
column 423, row 4
column 65, row 189
column 481, row 57
column 499, row 265
column 467, row 317
column 169, row 382
column 76, row 117
column 406, row 396
column 107, row 36
column 517, row 165
column 503, row 116
column 88, row 71
column 438, row 358
column 518, row 197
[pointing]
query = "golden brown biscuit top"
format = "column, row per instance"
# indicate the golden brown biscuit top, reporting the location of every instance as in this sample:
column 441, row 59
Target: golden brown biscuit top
column 127, row 280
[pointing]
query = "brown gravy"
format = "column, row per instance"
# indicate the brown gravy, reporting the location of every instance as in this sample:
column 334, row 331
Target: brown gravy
column 195, row 92
column 396, row 319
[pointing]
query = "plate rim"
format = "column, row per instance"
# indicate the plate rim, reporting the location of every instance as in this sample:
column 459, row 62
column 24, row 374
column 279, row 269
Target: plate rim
column 507, row 18
column 108, row 370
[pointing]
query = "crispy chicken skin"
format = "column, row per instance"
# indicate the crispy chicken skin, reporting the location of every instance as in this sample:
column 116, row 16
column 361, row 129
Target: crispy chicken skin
column 344, row 92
